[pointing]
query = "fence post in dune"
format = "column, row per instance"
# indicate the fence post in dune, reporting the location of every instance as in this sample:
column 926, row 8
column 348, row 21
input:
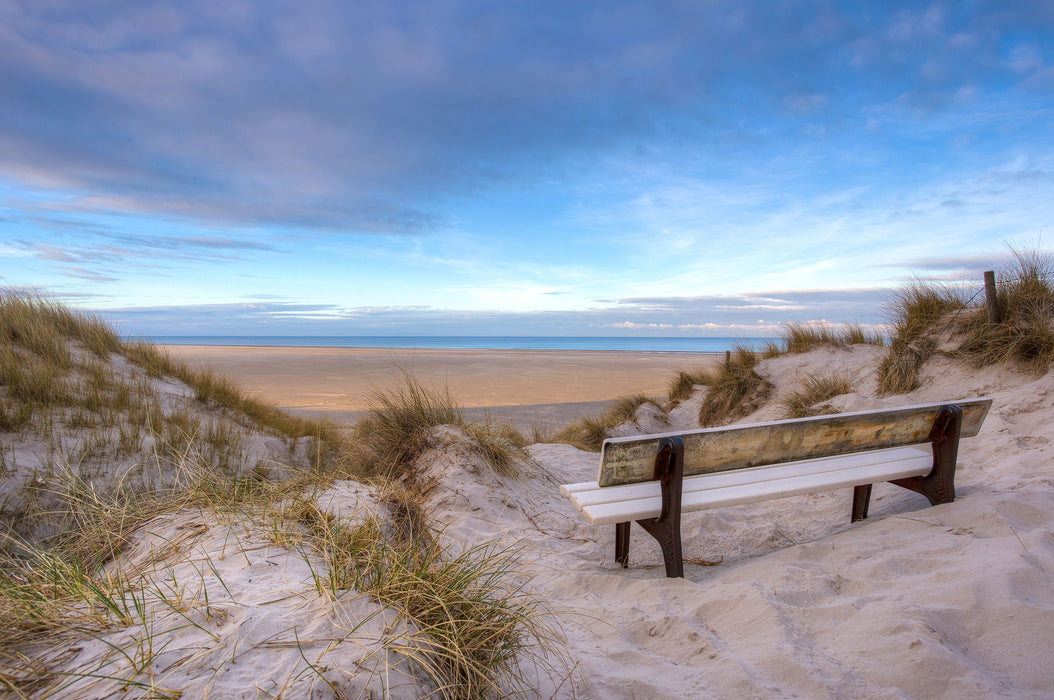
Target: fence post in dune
column 728, row 358
column 991, row 298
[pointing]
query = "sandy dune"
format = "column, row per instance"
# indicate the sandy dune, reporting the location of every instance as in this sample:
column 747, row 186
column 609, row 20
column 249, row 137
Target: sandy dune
column 950, row 601
column 785, row 598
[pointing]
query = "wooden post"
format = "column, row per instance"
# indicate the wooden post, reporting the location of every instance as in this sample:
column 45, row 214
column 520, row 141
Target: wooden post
column 728, row 359
column 990, row 296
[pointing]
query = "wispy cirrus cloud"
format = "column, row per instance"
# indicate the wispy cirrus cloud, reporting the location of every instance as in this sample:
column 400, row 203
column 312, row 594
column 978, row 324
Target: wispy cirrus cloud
column 356, row 117
column 114, row 249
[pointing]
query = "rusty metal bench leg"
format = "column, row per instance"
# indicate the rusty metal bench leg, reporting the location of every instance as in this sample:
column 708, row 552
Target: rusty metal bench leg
column 939, row 485
column 861, row 499
column 622, row 543
column 666, row 529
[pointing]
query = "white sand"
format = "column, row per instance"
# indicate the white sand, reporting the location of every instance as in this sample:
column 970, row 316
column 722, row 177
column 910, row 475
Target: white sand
column 950, row 601
column 917, row 601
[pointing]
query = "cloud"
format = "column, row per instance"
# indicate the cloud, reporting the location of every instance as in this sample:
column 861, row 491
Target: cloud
column 757, row 314
column 108, row 252
column 45, row 293
column 86, row 274
column 971, row 268
column 363, row 117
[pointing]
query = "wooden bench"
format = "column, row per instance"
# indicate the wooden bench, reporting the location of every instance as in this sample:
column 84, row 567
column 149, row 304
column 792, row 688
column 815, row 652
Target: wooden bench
column 652, row 479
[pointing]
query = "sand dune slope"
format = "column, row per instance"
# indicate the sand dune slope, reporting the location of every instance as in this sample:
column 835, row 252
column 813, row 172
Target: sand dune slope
column 917, row 601
column 780, row 599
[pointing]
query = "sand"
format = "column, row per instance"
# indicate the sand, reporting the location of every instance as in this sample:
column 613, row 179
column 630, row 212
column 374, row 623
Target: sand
column 544, row 388
column 784, row 598
column 953, row 601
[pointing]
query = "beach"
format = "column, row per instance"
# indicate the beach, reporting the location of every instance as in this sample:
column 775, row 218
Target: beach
column 240, row 579
column 527, row 388
column 781, row 598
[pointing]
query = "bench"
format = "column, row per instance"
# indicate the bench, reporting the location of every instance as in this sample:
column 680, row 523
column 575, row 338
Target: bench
column 652, row 479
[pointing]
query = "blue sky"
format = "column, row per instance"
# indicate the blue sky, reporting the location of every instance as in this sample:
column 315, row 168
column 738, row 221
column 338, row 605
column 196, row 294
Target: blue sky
column 526, row 168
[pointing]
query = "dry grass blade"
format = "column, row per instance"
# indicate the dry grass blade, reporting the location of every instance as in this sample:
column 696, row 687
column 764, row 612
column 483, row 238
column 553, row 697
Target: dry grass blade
column 801, row 337
column 898, row 373
column 473, row 622
column 858, row 335
column 43, row 327
column 589, row 433
column 682, row 385
column 385, row 443
column 813, row 389
column 736, row 389
column 915, row 314
column 1024, row 335
column 770, row 349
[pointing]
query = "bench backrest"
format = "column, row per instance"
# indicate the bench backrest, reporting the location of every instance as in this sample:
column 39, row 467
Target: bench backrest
column 630, row 460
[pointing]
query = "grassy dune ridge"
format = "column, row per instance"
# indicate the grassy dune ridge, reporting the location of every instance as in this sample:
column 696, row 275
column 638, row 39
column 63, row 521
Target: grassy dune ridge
column 103, row 436
column 926, row 320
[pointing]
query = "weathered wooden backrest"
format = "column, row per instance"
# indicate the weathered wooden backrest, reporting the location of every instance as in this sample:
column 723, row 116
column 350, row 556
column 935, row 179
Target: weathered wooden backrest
column 630, row 460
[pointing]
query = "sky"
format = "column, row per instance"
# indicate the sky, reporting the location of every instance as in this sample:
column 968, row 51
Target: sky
column 450, row 167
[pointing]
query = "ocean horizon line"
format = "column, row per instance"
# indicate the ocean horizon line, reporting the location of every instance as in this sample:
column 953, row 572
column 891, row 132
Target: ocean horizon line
column 474, row 342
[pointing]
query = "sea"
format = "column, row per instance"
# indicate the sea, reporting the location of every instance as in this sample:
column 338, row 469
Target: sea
column 624, row 343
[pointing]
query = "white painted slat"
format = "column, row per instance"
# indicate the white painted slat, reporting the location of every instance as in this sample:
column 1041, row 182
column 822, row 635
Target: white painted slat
column 596, row 495
column 609, row 513
column 568, row 489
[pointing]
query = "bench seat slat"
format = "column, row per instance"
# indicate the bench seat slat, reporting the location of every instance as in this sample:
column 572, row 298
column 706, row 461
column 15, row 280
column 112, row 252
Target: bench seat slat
column 568, row 489
column 591, row 494
column 822, row 477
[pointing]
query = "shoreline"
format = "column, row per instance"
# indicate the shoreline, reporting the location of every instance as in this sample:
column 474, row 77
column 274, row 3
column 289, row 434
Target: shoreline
column 415, row 348
column 662, row 344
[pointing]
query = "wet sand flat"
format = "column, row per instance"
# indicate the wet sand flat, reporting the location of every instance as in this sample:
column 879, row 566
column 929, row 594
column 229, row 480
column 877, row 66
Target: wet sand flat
column 536, row 386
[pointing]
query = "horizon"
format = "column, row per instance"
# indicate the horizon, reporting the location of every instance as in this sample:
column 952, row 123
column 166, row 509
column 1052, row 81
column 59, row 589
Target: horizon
column 595, row 170
column 573, row 343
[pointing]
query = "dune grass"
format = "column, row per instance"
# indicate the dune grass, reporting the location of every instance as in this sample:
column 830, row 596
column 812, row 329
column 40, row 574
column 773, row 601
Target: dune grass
column 735, row 388
column 801, row 337
column 66, row 382
column 814, row 388
column 684, row 382
column 925, row 315
column 472, row 619
column 589, row 433
column 915, row 314
column 59, row 591
column 56, row 364
column 772, row 349
column 216, row 390
column 400, row 421
column 1024, row 335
